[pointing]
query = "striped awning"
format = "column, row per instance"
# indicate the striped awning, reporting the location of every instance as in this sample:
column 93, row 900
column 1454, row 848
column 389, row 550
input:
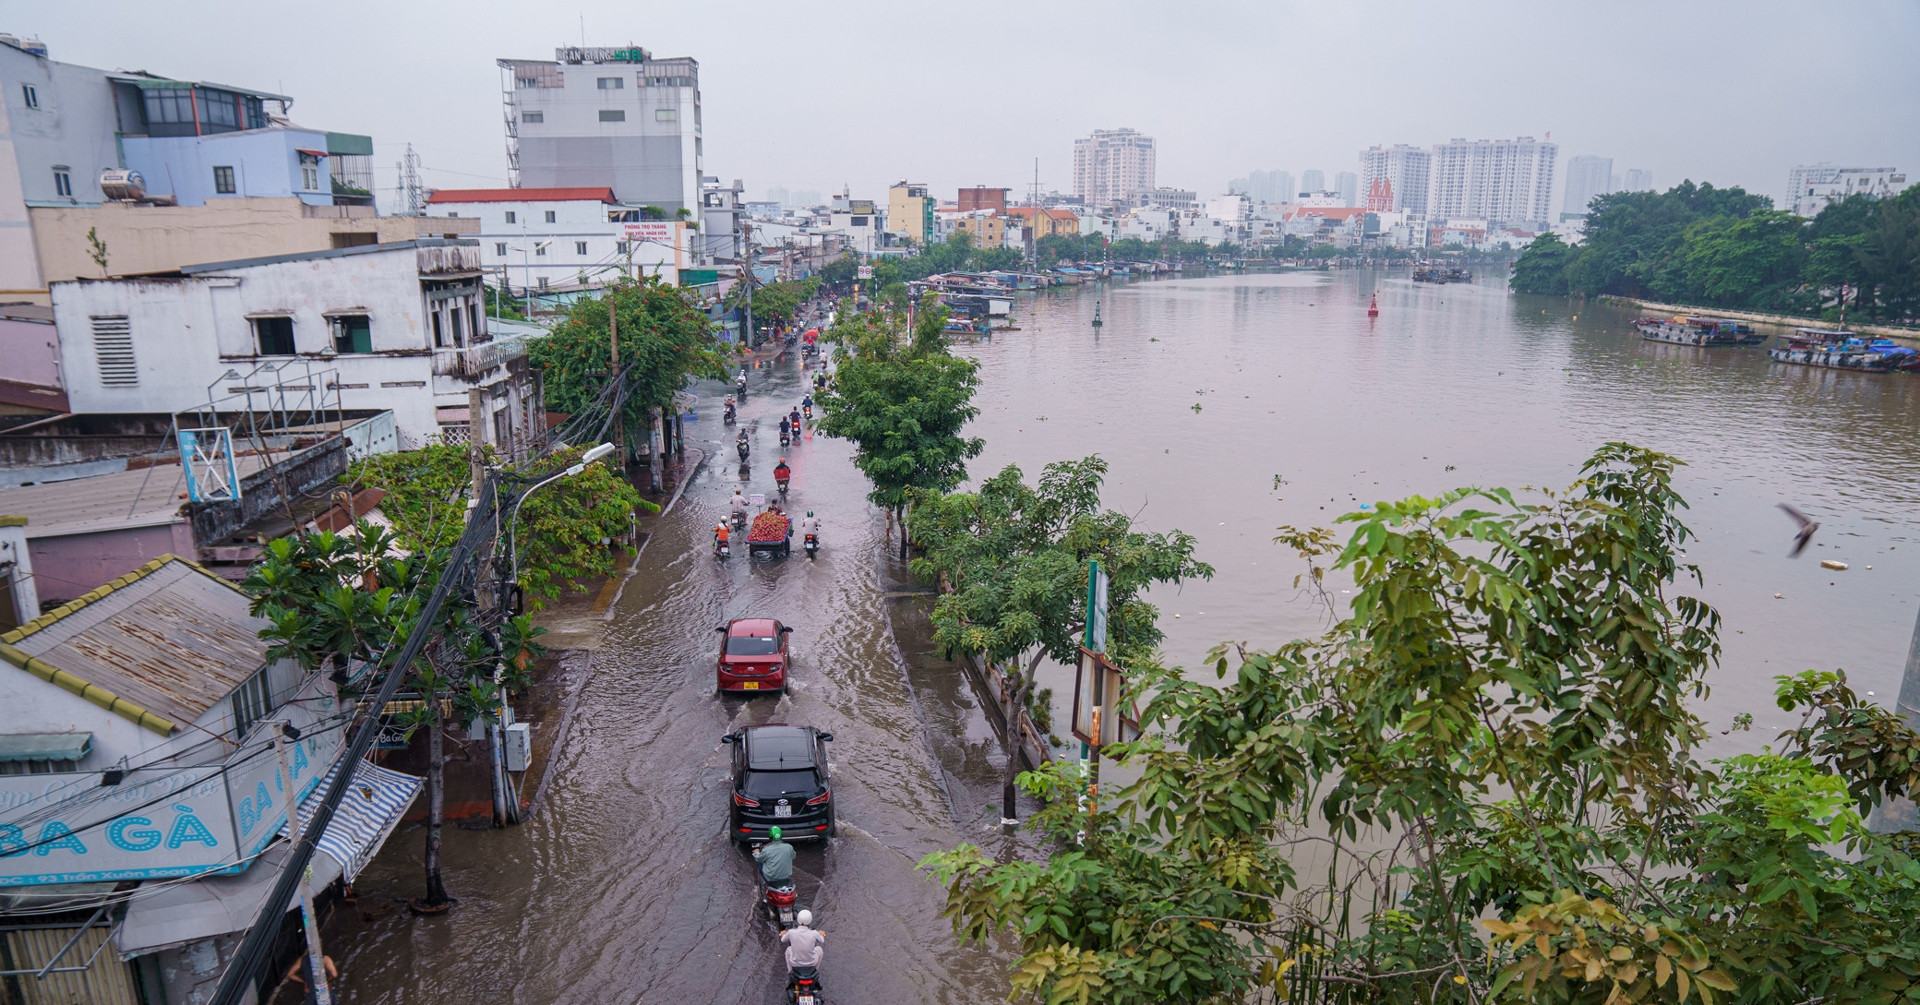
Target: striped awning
column 375, row 800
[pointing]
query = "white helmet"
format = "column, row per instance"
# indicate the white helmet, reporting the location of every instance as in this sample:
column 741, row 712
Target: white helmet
column 806, row 917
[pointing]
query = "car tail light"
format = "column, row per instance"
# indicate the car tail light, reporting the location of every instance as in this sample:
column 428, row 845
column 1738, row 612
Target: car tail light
column 821, row 799
column 740, row 800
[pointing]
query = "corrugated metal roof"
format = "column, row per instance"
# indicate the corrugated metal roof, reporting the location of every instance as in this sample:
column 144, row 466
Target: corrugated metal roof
column 159, row 646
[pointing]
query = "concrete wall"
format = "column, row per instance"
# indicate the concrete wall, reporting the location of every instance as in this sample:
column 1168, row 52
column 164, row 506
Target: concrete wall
column 29, row 352
column 265, row 162
column 647, row 161
column 188, row 331
column 144, row 238
column 72, row 127
column 512, row 245
column 66, row 567
column 19, row 590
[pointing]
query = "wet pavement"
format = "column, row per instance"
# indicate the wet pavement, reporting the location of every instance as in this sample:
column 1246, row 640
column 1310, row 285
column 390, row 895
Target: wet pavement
column 623, row 886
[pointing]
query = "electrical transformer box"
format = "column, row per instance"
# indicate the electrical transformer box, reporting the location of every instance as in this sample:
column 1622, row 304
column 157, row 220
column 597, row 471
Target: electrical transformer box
column 519, row 746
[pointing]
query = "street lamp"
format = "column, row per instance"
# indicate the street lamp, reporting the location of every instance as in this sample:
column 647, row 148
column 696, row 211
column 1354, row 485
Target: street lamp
column 513, row 524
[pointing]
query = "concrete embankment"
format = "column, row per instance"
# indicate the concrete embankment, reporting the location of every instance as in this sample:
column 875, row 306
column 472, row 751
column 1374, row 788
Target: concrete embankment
column 1788, row 320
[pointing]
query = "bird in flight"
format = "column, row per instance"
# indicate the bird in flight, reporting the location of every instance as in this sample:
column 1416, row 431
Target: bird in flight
column 1805, row 534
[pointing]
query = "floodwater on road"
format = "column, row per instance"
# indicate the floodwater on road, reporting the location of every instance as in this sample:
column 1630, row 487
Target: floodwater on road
column 1461, row 385
column 623, row 888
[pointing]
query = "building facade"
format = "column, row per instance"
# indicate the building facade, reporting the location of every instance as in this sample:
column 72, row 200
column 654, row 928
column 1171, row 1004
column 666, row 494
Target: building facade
column 1587, row 177
column 606, row 117
column 1637, row 180
column 910, row 211
column 1313, row 181
column 1400, row 173
column 1348, row 185
column 1112, row 166
column 66, row 129
column 1810, row 187
column 982, row 197
column 1509, row 181
column 381, row 327
column 563, row 239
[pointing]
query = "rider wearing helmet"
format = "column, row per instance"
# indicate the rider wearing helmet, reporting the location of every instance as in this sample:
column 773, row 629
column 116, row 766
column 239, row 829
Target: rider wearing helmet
column 810, row 524
column 781, row 472
column 805, row 946
column 775, row 858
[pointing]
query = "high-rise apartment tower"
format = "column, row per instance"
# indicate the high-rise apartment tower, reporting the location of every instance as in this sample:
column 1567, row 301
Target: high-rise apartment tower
column 1112, row 166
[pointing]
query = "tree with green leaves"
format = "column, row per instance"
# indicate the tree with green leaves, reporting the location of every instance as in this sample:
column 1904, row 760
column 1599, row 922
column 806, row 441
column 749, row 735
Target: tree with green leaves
column 1014, row 561
column 1542, row 266
column 902, row 400
column 1492, row 763
column 559, row 529
column 665, row 339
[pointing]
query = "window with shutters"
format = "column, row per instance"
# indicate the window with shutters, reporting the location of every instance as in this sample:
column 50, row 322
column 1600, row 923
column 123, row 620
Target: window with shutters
column 251, row 703
column 113, row 351
column 579, row 247
column 552, row 216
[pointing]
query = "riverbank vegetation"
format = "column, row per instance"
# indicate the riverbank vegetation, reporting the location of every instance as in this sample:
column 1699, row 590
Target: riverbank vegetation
column 1727, row 248
column 1483, row 783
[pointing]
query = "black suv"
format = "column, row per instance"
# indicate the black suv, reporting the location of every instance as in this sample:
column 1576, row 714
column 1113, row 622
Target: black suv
column 780, row 780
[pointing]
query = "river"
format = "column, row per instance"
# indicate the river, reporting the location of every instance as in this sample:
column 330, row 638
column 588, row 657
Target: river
column 622, row 888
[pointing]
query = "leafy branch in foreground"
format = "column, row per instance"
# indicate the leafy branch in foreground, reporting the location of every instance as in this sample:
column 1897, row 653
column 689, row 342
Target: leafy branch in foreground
column 1480, row 785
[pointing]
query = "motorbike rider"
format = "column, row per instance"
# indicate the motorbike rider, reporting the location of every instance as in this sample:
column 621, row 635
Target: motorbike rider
column 807, row 402
column 784, row 427
column 775, row 859
column 794, row 416
column 737, row 506
column 806, row 947
column 809, row 526
column 781, row 472
column 719, row 535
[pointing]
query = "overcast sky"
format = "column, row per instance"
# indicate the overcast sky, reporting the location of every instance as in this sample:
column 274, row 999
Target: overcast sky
column 817, row 95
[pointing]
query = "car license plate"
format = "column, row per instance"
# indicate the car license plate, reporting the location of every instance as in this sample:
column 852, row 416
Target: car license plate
column 752, row 685
column 783, row 811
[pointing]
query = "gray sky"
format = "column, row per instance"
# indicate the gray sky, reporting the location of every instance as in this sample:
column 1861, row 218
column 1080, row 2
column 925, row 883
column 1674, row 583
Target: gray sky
column 814, row 95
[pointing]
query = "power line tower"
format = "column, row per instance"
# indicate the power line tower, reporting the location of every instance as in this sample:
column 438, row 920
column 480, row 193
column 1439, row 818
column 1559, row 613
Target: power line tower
column 409, row 187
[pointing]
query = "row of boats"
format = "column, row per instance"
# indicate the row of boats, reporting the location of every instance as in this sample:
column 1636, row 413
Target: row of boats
column 1827, row 347
column 1430, row 272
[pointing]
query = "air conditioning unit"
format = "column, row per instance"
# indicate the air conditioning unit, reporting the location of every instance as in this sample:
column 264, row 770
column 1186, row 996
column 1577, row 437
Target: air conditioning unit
column 519, row 746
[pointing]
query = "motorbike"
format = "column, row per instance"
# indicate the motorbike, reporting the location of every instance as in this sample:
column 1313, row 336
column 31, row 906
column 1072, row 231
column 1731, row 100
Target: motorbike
column 790, row 340
column 813, row 545
column 807, row 412
column 783, row 902
column 785, row 438
column 782, row 482
column 720, row 549
column 740, row 520
column 742, row 445
column 803, row 986
column 730, row 416
column 741, row 383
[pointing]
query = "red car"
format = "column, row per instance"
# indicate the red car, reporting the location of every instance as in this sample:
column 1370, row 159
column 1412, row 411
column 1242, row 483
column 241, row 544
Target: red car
column 753, row 655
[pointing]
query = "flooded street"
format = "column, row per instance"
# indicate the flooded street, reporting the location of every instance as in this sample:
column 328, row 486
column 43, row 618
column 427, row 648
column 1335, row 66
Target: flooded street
column 623, row 887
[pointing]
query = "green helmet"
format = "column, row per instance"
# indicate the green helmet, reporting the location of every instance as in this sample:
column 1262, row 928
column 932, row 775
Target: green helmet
column 774, row 833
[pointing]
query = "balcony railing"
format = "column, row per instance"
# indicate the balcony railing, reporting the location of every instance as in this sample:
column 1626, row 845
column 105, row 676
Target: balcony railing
column 475, row 360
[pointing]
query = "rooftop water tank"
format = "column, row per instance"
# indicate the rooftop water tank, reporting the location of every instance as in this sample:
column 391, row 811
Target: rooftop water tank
column 122, row 184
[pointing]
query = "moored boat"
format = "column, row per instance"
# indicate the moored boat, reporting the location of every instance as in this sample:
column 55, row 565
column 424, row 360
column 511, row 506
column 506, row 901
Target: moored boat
column 1843, row 350
column 1700, row 331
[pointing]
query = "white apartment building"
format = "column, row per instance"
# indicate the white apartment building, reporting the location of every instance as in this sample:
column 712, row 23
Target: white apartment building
column 1637, row 180
column 381, row 326
column 1810, row 187
column 858, row 221
column 1348, row 185
column 1112, row 166
column 1395, row 178
column 1587, row 176
column 606, row 116
column 1510, row 181
column 1313, row 181
column 534, row 239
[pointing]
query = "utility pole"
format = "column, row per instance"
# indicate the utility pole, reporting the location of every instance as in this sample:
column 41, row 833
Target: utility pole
column 316, row 960
column 746, row 244
column 613, row 373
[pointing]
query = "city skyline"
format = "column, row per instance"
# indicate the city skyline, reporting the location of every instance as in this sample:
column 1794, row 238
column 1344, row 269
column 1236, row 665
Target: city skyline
column 1603, row 94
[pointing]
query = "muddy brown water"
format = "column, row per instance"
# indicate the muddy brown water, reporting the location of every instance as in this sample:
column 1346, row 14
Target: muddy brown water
column 623, row 888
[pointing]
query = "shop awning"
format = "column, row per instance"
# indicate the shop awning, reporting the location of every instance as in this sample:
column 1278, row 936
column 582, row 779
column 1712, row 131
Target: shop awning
column 177, row 913
column 44, row 746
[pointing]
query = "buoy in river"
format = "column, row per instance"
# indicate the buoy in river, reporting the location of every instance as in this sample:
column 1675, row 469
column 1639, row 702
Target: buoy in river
column 1373, row 306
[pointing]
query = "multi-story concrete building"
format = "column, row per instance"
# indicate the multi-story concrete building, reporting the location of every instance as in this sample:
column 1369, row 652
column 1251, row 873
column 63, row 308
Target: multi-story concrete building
column 1348, row 185
column 1312, row 181
column 381, row 327
column 910, row 211
column 1112, row 166
column 606, row 116
column 64, row 129
column 1587, row 176
column 564, row 239
column 1046, row 222
column 982, row 197
column 1637, row 180
column 1810, row 187
column 858, row 221
column 1179, row 199
column 722, row 208
column 1508, row 181
column 1395, row 178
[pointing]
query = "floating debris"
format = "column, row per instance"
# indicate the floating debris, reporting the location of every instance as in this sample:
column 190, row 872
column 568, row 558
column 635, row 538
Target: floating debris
column 1833, row 563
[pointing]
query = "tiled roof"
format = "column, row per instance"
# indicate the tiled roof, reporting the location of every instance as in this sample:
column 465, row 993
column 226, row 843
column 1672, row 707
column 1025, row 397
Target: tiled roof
column 446, row 195
column 159, row 646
